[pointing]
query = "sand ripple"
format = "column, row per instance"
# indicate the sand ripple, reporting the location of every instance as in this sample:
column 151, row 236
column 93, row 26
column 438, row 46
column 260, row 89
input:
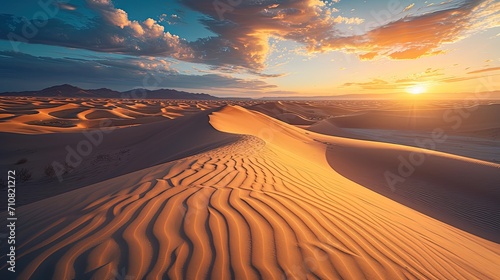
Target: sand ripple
column 247, row 210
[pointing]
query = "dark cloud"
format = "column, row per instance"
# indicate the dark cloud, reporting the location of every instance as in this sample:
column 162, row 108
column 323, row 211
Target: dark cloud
column 244, row 30
column 118, row 74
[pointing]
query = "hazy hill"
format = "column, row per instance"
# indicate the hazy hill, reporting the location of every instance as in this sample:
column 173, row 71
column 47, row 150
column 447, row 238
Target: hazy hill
column 66, row 90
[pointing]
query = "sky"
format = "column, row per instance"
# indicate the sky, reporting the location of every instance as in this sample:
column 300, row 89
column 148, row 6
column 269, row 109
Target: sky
column 253, row 48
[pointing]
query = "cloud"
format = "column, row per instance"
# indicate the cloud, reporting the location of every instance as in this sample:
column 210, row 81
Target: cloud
column 484, row 70
column 347, row 20
column 111, row 31
column 428, row 76
column 65, row 6
column 374, row 84
column 116, row 73
column 243, row 36
column 416, row 36
column 170, row 19
column 463, row 78
column 368, row 56
column 407, row 8
column 243, row 32
column 457, row 79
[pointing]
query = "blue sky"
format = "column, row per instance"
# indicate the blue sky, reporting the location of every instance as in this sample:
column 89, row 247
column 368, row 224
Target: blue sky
column 252, row 48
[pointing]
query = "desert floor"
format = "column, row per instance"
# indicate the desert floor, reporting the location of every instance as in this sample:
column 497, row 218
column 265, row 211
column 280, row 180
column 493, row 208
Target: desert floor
column 151, row 189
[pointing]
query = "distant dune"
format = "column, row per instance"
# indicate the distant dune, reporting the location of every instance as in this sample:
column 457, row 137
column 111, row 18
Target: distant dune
column 266, row 200
column 28, row 115
column 469, row 119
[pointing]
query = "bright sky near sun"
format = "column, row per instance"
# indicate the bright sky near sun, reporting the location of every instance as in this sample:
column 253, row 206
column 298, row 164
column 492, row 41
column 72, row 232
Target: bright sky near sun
column 253, row 48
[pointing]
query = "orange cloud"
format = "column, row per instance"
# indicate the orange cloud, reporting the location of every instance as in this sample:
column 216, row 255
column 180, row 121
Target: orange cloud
column 457, row 79
column 375, row 84
column 247, row 28
column 348, row 20
column 368, row 56
column 428, row 75
column 417, row 36
column 413, row 53
column 484, row 70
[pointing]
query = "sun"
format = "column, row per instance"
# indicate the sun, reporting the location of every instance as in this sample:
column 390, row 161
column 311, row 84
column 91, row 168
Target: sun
column 416, row 89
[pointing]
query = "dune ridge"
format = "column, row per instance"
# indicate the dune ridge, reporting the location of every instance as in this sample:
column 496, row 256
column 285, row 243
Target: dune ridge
column 40, row 115
column 266, row 206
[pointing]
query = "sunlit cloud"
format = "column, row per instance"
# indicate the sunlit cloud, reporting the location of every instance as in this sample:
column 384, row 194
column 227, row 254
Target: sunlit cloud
column 484, row 70
column 348, row 20
column 407, row 8
column 66, row 6
column 413, row 83
column 423, row 35
column 246, row 30
column 112, row 31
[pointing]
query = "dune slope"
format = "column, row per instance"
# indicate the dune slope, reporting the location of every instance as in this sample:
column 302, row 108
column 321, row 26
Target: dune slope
column 267, row 206
column 460, row 191
column 117, row 152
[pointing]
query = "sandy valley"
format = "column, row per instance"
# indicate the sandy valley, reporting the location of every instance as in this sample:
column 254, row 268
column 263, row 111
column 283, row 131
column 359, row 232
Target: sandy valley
column 248, row 190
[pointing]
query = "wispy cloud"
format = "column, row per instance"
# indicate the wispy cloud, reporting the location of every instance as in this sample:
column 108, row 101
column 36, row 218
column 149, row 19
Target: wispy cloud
column 484, row 70
column 65, row 6
column 407, row 8
column 374, row 84
column 429, row 76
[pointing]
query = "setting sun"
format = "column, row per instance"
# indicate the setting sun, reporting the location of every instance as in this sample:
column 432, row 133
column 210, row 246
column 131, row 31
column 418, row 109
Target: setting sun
column 416, row 89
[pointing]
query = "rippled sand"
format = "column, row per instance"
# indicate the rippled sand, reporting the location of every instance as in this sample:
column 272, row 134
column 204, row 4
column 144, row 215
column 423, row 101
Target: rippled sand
column 226, row 192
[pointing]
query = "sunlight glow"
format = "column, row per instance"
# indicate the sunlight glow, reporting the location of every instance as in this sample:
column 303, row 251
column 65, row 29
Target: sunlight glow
column 416, row 89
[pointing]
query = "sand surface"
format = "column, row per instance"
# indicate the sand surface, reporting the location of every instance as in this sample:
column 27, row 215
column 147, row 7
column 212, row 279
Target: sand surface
column 235, row 193
column 32, row 115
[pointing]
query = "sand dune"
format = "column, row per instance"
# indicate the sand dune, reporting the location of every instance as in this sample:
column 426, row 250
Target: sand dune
column 120, row 151
column 269, row 206
column 295, row 119
column 32, row 115
column 461, row 119
column 478, row 146
column 461, row 191
column 328, row 127
column 472, row 131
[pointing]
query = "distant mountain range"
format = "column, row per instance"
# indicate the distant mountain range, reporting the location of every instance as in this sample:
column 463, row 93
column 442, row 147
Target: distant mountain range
column 72, row 91
column 140, row 93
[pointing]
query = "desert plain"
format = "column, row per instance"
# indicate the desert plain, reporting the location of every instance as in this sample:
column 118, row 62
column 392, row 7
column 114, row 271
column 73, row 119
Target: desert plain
column 253, row 189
